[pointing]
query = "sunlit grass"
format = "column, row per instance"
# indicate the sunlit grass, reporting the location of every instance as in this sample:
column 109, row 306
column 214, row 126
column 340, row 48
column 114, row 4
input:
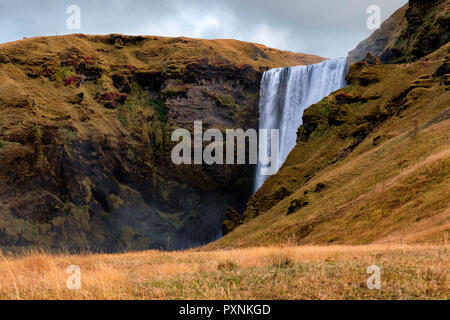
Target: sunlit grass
column 307, row 272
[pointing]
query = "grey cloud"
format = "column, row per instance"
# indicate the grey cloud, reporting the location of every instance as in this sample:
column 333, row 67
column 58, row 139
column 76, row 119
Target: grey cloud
column 328, row 28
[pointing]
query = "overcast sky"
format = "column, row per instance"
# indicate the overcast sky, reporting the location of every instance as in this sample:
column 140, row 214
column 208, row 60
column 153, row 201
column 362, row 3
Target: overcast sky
column 329, row 28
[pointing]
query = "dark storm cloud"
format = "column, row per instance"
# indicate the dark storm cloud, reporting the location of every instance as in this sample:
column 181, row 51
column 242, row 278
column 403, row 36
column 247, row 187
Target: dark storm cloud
column 328, row 28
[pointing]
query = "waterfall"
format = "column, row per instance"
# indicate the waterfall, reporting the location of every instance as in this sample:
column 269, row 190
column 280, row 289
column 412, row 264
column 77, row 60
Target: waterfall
column 286, row 92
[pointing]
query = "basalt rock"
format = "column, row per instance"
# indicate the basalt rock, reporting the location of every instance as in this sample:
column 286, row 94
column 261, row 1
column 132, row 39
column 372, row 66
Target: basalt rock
column 371, row 60
column 296, row 205
column 233, row 220
column 412, row 32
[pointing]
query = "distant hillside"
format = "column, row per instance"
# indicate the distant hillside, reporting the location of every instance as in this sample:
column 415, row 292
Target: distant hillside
column 412, row 32
column 85, row 125
column 151, row 52
column 372, row 160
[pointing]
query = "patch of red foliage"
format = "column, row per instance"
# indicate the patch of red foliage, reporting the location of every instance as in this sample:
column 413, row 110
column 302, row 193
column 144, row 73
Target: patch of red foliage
column 79, row 62
column 243, row 67
column 343, row 94
column 48, row 71
column 73, row 63
column 71, row 80
column 89, row 60
column 423, row 63
column 111, row 99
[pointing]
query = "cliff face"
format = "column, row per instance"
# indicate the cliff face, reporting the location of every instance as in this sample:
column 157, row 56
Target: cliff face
column 85, row 126
column 412, row 32
column 372, row 160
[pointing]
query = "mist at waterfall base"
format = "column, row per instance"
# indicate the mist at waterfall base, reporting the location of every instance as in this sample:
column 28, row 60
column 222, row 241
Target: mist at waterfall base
column 285, row 93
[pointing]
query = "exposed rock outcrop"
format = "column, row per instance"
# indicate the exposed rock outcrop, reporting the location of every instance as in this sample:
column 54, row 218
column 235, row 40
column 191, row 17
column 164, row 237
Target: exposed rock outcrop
column 233, row 220
column 412, row 32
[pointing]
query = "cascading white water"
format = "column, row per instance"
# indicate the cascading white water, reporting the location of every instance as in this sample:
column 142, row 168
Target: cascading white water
column 286, row 92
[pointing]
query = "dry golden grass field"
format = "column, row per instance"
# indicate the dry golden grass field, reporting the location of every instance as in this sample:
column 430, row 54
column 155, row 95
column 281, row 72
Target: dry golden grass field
column 288, row 272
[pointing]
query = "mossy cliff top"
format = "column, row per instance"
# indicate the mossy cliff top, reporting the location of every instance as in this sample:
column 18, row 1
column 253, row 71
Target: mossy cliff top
column 149, row 52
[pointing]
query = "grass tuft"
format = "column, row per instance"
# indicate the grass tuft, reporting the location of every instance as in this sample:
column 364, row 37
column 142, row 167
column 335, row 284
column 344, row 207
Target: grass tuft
column 227, row 266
